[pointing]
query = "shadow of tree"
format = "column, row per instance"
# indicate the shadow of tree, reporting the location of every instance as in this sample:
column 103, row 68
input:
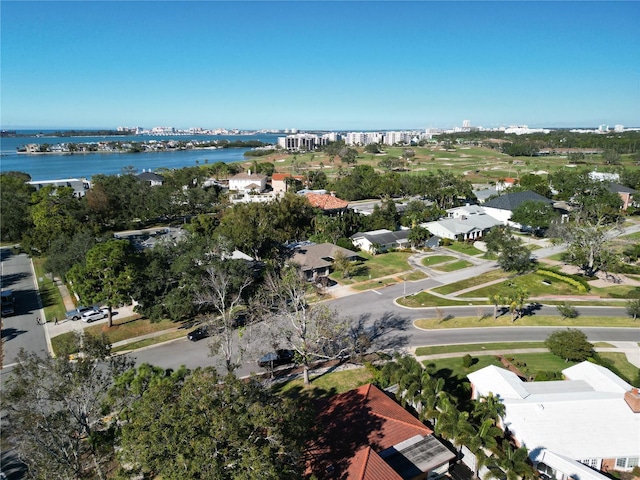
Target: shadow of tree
column 9, row 334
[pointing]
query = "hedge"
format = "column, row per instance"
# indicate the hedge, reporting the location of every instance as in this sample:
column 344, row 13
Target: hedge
column 579, row 283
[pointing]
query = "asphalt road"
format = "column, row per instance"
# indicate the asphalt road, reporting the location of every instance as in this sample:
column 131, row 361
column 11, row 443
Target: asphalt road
column 21, row 330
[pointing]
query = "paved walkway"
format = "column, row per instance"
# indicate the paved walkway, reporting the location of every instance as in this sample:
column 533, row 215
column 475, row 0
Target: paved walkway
column 630, row 349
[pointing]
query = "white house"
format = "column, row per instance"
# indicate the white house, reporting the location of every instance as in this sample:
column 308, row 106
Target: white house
column 377, row 241
column 502, row 207
column 470, row 222
column 592, row 418
column 248, row 182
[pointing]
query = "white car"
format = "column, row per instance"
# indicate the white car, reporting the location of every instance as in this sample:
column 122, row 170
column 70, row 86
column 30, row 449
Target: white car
column 93, row 315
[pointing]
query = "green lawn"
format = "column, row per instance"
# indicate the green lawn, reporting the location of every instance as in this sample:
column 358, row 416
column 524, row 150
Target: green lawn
column 471, row 282
column 327, row 384
column 526, row 321
column 532, row 282
column 436, row 259
column 463, row 247
column 376, row 266
column 450, row 267
column 476, row 347
column 49, row 293
column 424, row 299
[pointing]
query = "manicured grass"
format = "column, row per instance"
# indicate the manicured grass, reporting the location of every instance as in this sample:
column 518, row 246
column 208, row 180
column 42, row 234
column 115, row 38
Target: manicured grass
column 471, row 282
column 619, row 363
column 527, row 321
column 532, row 282
column 477, row 347
column 450, row 267
column 632, row 236
column 463, row 247
column 49, row 293
column 377, row 284
column 436, row 259
column 415, row 275
column 425, row 299
column 376, row 266
column 328, row 383
column 152, row 341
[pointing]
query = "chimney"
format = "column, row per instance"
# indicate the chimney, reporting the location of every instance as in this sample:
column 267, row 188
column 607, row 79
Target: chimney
column 632, row 397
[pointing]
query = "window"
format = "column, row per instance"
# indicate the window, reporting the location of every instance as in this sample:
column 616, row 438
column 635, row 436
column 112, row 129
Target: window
column 591, row 462
column 627, row 463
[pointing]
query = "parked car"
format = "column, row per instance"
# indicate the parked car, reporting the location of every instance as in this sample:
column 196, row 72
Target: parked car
column 94, row 314
column 77, row 313
column 277, row 358
column 198, row 334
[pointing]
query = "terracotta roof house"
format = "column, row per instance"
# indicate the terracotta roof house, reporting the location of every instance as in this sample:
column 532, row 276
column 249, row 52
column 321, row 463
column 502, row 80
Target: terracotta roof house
column 377, row 241
column 502, row 207
column 326, row 202
column 279, row 181
column 316, row 260
column 364, row 434
column 591, row 418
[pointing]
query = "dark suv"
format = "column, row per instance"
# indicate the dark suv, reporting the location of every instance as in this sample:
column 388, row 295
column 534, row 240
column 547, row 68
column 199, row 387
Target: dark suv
column 277, row 358
column 198, row 334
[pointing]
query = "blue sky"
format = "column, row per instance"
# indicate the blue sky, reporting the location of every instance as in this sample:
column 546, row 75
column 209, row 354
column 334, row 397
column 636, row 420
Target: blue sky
column 319, row 65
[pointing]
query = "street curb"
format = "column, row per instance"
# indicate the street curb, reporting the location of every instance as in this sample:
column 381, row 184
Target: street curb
column 44, row 325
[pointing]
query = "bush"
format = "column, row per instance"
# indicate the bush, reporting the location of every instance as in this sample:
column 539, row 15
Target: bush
column 567, row 311
column 570, row 344
column 467, row 361
column 543, row 376
column 578, row 282
column 446, row 242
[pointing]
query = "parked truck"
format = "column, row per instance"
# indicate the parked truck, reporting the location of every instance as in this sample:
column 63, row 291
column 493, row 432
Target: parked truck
column 8, row 303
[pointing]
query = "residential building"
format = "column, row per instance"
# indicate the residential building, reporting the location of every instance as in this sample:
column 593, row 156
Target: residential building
column 469, row 222
column 316, row 260
column 328, row 203
column 365, row 434
column 302, row 141
column 363, row 138
column 626, row 194
column 279, row 182
column 591, row 418
column 503, row 206
column 378, row 241
column 80, row 185
column 248, row 182
column 151, row 178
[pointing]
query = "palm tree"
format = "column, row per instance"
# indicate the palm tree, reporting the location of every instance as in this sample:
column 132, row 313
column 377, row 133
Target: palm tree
column 496, row 300
column 455, row 426
column 489, row 407
column 513, row 464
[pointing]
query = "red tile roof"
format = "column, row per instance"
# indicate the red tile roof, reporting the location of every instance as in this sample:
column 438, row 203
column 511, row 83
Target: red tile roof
column 353, row 427
column 326, row 201
column 282, row 176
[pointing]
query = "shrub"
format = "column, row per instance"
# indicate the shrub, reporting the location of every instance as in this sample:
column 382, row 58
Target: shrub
column 580, row 284
column 446, row 242
column 567, row 311
column 543, row 376
column 570, row 344
column 467, row 361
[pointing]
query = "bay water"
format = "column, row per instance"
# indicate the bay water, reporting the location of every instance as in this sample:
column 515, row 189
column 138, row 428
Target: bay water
column 53, row 166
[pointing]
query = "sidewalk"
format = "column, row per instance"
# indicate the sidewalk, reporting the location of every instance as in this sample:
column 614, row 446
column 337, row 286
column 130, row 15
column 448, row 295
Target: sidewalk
column 630, row 349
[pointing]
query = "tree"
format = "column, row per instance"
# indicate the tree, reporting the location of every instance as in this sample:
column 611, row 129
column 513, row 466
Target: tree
column 108, row 275
column 535, row 214
column 496, row 300
column 313, row 331
column 205, row 426
column 222, row 289
column 342, row 264
column 513, row 463
column 570, row 344
column 417, row 236
column 349, row 155
column 455, row 425
column 567, row 311
column 633, row 308
column 588, row 244
column 54, row 410
column 15, row 197
column 513, row 256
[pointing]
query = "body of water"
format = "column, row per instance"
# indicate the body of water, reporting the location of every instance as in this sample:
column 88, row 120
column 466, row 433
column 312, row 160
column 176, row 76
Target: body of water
column 53, row 166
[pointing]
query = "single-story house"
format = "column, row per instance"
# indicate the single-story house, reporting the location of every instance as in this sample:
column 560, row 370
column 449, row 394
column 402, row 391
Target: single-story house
column 503, row 206
column 471, row 227
column 316, row 260
column 151, row 178
column 591, row 418
column 80, row 185
column 248, row 182
column 366, row 434
column 377, row 241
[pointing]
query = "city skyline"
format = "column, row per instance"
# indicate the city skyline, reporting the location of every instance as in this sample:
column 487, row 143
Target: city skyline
column 332, row 65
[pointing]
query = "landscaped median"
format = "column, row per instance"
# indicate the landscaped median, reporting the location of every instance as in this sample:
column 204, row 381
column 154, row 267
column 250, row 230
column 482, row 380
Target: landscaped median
column 451, row 321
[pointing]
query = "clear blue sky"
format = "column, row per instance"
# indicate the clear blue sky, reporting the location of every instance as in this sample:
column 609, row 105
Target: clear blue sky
column 319, row 65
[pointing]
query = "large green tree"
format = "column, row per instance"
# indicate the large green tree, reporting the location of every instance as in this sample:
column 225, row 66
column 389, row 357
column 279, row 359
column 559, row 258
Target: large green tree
column 570, row 344
column 206, row 426
column 15, row 197
column 535, row 214
column 54, row 410
column 107, row 276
